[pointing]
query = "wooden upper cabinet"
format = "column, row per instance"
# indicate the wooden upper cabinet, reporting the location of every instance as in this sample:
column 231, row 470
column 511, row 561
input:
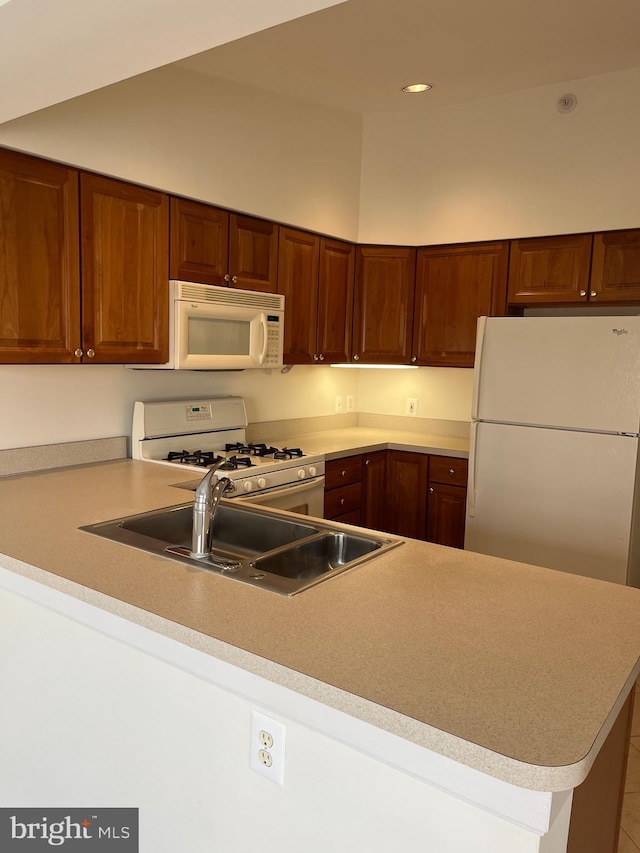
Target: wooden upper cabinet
column 253, row 253
column 383, row 304
column 298, row 257
column 199, row 248
column 335, row 301
column 39, row 261
column 125, row 264
column 212, row 246
column 615, row 267
column 316, row 277
column 454, row 286
column 549, row 269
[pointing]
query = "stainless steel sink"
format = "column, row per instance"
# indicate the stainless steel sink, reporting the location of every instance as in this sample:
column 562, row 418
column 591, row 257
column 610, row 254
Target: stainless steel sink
column 250, row 544
column 317, row 556
column 235, row 532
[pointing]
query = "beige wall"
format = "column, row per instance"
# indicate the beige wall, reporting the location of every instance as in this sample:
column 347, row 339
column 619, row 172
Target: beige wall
column 241, row 148
column 510, row 166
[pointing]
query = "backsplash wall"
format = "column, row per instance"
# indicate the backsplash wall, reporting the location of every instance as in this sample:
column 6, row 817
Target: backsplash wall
column 60, row 403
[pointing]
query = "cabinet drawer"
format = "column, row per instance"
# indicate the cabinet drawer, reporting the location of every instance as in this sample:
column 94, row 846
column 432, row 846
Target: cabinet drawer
column 349, row 518
column 343, row 500
column 448, row 469
column 340, row 472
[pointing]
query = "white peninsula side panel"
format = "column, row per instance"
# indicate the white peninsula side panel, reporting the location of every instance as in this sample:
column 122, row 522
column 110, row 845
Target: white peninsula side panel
column 87, row 720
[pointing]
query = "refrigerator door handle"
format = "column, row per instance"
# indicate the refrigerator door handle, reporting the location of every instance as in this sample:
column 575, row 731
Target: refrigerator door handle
column 480, row 333
column 471, row 483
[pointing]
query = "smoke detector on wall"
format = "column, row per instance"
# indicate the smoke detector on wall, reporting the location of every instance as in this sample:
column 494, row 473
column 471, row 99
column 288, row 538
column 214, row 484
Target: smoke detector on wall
column 567, row 103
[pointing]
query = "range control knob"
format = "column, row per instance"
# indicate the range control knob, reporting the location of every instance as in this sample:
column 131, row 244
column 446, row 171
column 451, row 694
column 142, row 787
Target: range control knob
column 247, row 485
column 312, row 470
column 261, row 482
column 301, row 473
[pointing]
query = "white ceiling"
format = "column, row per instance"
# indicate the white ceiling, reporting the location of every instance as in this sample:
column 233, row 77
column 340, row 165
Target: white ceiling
column 357, row 55
column 53, row 51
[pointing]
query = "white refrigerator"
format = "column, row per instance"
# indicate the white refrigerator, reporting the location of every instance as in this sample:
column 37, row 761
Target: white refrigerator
column 553, row 462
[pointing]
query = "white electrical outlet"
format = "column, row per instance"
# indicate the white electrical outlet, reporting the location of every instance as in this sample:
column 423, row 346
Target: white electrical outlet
column 412, row 407
column 338, row 405
column 267, row 747
column 350, row 404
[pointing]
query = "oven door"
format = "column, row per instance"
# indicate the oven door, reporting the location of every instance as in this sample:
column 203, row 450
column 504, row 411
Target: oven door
column 304, row 498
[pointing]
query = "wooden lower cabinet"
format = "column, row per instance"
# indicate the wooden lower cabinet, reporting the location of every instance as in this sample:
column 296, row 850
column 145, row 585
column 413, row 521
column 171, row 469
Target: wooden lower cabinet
column 597, row 803
column 407, row 477
column 343, row 489
column 374, row 491
column 400, row 492
column 447, row 501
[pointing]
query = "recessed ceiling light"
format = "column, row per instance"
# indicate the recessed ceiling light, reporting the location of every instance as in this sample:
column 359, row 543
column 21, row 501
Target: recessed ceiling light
column 417, row 87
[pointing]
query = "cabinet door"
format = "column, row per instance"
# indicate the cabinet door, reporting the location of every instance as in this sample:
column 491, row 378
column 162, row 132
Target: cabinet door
column 335, row 301
column 446, row 515
column 253, row 253
column 615, row 269
column 374, row 490
column 454, row 286
column 39, row 261
column 125, row 262
column 383, row 307
column 199, row 249
column 407, row 493
column 549, row 269
column 298, row 280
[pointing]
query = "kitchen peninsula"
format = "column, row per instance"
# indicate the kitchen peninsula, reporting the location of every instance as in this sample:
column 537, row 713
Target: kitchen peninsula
column 433, row 699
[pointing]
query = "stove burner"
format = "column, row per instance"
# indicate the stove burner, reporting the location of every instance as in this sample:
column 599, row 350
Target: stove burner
column 253, row 449
column 288, row 453
column 235, row 462
column 201, row 458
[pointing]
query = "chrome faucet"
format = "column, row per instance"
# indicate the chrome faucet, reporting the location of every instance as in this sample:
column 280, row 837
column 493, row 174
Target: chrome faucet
column 206, row 502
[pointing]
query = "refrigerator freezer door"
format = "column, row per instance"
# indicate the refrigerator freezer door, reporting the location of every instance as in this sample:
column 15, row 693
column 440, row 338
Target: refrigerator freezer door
column 554, row 498
column 568, row 372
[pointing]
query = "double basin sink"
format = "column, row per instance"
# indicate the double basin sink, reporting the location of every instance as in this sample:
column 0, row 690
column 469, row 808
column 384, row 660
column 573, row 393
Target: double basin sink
column 250, row 544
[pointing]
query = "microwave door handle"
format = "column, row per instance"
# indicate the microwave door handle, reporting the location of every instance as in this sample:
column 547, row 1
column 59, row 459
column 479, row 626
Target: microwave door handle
column 263, row 323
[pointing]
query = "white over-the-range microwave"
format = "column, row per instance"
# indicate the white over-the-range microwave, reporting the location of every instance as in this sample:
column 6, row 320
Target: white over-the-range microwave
column 221, row 328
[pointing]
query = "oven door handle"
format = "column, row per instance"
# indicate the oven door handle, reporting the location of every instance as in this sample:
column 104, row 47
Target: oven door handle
column 280, row 490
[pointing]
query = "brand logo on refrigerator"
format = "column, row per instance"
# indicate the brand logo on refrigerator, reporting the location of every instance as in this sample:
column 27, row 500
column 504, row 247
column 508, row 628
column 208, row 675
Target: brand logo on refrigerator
column 620, row 331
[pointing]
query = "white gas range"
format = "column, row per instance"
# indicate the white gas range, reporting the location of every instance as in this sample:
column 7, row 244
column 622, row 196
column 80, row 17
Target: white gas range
column 189, row 434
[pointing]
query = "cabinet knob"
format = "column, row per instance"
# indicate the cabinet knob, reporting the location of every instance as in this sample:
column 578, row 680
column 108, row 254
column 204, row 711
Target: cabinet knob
column 315, row 356
column 356, row 357
column 366, row 461
column 234, row 278
column 343, row 473
column 78, row 353
column 594, row 293
column 321, row 356
column 341, row 501
column 431, row 488
column 452, row 471
column 91, row 353
column 583, row 293
column 227, row 277
column 415, row 358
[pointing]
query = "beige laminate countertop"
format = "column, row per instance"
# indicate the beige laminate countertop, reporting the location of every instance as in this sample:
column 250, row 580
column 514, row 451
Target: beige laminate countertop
column 513, row 670
column 337, row 443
